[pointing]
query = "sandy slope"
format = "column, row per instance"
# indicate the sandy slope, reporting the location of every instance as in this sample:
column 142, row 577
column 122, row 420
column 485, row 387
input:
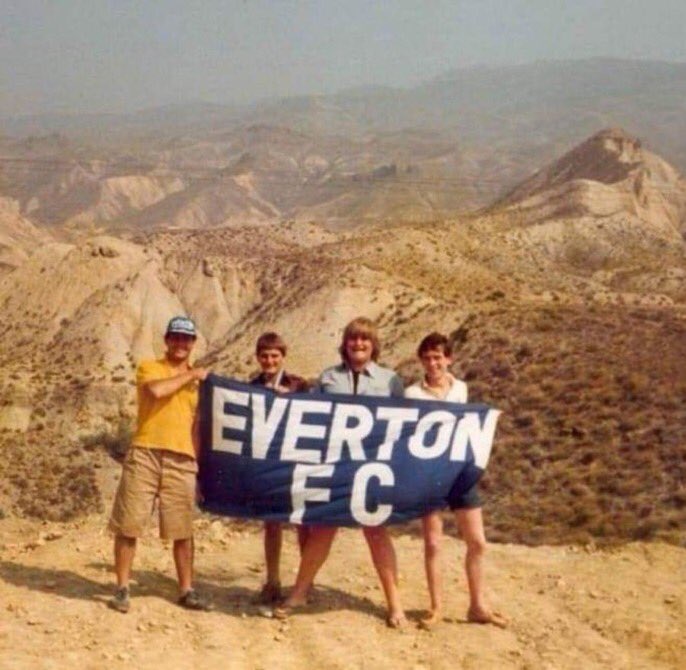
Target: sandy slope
column 570, row 607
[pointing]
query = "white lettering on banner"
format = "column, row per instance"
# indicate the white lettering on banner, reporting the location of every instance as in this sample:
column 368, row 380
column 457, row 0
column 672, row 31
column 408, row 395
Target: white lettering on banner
column 296, row 429
column 346, row 426
column 301, row 493
column 222, row 419
column 470, row 431
column 351, row 435
column 446, row 424
column 396, row 417
column 358, row 497
column 264, row 427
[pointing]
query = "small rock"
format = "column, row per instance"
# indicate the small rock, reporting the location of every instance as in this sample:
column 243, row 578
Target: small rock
column 208, row 268
column 35, row 544
column 279, row 637
column 107, row 252
column 669, row 600
column 53, row 535
column 123, row 656
column 593, row 594
column 50, row 584
column 265, row 611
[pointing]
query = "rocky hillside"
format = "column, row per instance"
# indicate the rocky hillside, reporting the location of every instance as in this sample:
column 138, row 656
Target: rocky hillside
column 567, row 316
column 609, row 174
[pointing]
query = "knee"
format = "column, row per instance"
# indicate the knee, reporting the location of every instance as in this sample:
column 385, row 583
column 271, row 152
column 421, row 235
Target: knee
column 377, row 536
column 476, row 546
column 432, row 546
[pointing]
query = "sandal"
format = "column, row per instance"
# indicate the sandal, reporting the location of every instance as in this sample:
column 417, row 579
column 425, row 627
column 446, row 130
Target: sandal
column 487, row 617
column 284, row 611
column 430, row 620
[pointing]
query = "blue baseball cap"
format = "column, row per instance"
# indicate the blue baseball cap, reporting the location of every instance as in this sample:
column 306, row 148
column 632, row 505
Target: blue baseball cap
column 182, row 325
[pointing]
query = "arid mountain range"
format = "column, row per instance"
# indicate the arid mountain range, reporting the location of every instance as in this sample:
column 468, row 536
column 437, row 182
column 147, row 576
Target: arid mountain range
column 564, row 297
column 447, row 146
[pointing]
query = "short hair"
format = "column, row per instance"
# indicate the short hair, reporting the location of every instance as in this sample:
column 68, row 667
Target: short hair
column 361, row 326
column 270, row 340
column 435, row 341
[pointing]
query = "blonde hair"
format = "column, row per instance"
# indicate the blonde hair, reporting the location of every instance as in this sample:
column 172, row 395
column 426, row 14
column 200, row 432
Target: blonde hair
column 360, row 326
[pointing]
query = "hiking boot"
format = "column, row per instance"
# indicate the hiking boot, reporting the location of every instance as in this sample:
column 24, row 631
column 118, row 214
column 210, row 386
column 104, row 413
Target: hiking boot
column 192, row 600
column 120, row 600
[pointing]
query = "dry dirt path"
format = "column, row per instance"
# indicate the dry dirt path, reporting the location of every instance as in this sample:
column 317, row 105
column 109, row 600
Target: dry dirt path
column 570, row 607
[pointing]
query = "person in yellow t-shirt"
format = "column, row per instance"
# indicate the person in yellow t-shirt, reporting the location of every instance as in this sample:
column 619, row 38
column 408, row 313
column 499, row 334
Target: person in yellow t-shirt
column 161, row 463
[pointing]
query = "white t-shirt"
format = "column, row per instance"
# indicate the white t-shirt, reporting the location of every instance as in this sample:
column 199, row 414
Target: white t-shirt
column 456, row 393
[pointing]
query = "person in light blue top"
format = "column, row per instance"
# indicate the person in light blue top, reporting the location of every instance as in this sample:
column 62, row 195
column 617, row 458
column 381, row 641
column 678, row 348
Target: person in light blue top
column 372, row 380
column 358, row 374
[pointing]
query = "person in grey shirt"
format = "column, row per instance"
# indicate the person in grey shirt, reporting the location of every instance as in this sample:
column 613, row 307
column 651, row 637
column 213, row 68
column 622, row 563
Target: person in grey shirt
column 357, row 374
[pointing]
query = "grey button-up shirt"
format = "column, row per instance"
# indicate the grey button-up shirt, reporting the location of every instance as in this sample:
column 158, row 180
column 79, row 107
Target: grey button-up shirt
column 373, row 380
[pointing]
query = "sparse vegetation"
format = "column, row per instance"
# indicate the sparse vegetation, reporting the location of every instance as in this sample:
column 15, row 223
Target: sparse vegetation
column 590, row 444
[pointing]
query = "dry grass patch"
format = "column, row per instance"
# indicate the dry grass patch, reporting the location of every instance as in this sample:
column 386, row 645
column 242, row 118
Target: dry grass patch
column 591, row 442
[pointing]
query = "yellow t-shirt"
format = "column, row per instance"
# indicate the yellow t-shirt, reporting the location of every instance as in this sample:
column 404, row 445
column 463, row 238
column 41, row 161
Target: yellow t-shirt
column 165, row 423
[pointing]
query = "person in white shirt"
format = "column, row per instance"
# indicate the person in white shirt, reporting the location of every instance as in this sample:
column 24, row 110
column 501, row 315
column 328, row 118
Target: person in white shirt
column 435, row 354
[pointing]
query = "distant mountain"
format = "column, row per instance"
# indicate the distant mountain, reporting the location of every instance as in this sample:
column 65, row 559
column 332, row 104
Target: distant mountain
column 542, row 103
column 610, row 173
column 455, row 143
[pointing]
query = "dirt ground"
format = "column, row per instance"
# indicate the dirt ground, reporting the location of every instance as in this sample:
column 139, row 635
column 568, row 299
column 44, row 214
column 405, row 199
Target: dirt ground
column 570, row 607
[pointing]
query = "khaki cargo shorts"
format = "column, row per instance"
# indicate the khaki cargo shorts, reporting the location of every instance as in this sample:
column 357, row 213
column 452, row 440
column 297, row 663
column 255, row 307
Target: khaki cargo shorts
column 150, row 474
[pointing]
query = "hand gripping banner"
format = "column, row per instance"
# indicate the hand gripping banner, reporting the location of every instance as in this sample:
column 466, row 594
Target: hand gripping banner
column 336, row 460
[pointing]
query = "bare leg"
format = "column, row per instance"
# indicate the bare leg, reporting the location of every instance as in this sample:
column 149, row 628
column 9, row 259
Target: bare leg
column 432, row 526
column 471, row 526
column 183, row 559
column 383, row 556
column 273, row 537
column 124, row 552
column 303, row 535
column 314, row 553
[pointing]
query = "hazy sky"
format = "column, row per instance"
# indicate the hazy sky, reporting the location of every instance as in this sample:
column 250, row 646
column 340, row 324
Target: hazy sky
column 121, row 55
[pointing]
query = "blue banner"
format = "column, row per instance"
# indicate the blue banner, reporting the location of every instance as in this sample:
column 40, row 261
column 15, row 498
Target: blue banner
column 338, row 460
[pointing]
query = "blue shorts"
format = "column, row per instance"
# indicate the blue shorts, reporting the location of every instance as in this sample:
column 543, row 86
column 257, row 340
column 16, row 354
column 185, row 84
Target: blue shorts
column 468, row 499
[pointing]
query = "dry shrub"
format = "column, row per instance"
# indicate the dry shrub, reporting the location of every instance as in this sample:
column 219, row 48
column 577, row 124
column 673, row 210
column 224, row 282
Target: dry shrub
column 593, row 424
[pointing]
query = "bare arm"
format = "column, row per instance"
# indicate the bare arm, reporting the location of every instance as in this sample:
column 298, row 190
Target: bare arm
column 162, row 388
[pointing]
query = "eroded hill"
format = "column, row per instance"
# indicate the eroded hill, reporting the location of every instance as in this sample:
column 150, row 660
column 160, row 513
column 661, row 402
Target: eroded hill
column 571, row 320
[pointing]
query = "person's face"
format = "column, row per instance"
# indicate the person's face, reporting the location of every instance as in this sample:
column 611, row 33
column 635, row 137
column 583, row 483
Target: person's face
column 358, row 349
column 435, row 364
column 270, row 361
column 179, row 346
